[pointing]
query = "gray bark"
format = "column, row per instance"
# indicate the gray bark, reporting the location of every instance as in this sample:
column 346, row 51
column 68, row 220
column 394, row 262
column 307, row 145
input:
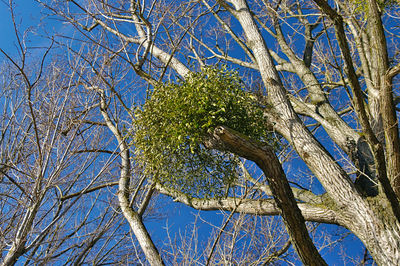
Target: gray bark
column 229, row 140
column 132, row 216
column 360, row 217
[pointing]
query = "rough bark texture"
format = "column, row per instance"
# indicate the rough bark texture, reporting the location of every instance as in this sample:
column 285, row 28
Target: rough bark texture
column 229, row 140
column 359, row 105
column 387, row 106
column 360, row 217
column 314, row 213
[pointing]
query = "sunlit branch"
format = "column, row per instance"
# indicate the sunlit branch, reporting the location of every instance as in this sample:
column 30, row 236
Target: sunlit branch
column 263, row 207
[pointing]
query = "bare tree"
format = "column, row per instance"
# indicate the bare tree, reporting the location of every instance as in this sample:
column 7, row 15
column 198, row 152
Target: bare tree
column 317, row 68
column 57, row 172
column 245, row 240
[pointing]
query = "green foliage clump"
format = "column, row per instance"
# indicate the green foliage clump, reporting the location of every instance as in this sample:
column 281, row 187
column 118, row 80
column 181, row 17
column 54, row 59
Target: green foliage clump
column 362, row 5
column 177, row 118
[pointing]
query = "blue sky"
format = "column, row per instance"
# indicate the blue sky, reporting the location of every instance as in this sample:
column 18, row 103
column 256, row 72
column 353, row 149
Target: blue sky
column 27, row 14
column 28, row 18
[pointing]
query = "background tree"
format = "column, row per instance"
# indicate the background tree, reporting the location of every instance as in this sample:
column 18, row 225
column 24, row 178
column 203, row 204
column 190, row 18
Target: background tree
column 325, row 75
column 57, row 185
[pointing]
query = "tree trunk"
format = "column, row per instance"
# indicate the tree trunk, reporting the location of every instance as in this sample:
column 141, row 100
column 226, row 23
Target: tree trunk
column 379, row 232
column 380, row 237
column 227, row 139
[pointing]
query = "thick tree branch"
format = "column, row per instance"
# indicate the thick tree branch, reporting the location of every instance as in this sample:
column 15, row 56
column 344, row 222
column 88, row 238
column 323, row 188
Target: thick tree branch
column 301, row 195
column 334, row 179
column 263, row 207
column 340, row 132
column 287, row 123
column 134, row 219
column 226, row 27
column 388, row 108
column 359, row 104
column 226, row 139
column 142, row 40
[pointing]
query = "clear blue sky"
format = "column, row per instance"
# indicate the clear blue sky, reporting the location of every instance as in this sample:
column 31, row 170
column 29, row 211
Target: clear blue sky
column 28, row 18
